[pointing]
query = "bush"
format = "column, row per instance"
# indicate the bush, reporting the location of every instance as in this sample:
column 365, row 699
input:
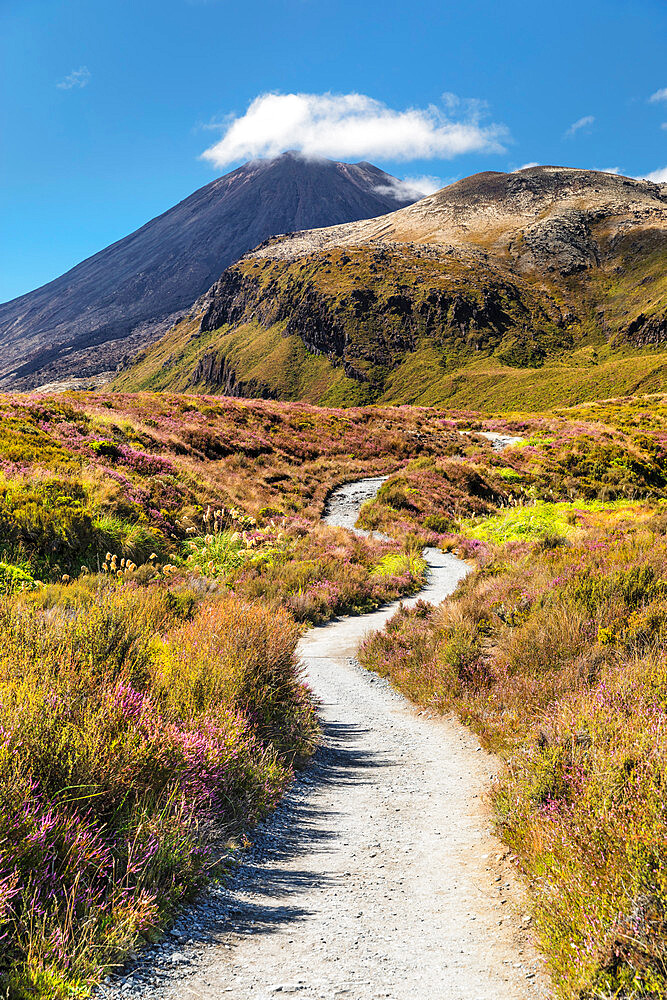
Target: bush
column 559, row 661
column 121, row 754
column 106, row 449
column 14, row 578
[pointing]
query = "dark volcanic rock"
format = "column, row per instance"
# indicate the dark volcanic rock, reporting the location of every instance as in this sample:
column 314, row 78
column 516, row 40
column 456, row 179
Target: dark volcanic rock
column 128, row 295
column 563, row 243
column 360, row 330
column 646, row 331
column 522, row 269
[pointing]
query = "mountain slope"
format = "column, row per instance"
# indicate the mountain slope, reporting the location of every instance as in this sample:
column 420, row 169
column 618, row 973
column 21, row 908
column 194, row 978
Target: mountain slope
column 501, row 289
column 128, row 294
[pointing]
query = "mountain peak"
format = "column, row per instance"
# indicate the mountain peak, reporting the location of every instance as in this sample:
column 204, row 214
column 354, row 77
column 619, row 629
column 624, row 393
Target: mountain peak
column 538, row 272
column 127, row 295
column 487, row 211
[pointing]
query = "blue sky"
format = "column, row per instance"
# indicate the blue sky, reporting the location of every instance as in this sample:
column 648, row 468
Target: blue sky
column 108, row 106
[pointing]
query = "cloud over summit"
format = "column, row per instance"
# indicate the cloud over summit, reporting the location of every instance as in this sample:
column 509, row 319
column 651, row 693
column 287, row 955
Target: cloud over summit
column 354, row 126
column 657, row 176
column 412, row 187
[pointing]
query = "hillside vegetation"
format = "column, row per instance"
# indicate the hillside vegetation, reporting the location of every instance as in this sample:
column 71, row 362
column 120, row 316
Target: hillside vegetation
column 160, row 554
column 555, row 652
column 503, row 291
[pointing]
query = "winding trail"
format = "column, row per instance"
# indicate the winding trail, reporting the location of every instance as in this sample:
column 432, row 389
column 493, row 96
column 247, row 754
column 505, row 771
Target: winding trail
column 377, row 876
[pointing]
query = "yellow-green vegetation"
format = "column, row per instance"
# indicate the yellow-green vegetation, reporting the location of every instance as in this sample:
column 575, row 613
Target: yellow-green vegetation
column 639, row 288
column 158, row 554
column 486, row 385
column 408, row 323
column 265, row 362
column 555, row 652
column 639, row 415
column 137, row 730
column 540, row 519
column 397, row 563
column 524, row 491
column 314, row 574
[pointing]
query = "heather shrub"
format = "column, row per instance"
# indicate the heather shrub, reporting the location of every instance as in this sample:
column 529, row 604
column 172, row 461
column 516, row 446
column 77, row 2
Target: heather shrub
column 557, row 656
column 433, row 495
column 324, row 571
column 135, row 724
column 241, row 655
column 44, row 523
column 129, row 738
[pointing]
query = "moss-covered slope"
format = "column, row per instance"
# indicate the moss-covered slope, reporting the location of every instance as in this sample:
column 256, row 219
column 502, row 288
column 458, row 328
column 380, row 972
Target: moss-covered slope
column 537, row 288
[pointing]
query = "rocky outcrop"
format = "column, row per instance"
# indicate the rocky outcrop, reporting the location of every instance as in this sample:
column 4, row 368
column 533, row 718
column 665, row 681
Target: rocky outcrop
column 368, row 329
column 563, row 244
column 646, row 331
column 519, row 268
column 214, row 370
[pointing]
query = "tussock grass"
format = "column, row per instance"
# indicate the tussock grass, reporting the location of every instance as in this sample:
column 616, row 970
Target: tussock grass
column 157, row 556
column 132, row 742
column 557, row 657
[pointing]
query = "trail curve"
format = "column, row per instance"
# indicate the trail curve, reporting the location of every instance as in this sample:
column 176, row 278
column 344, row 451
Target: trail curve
column 378, row 876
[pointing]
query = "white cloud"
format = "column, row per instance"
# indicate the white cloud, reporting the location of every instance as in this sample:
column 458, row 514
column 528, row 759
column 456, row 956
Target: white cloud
column 659, row 176
column 427, row 184
column 354, row 126
column 584, row 122
column 526, row 166
column 608, row 170
column 412, row 187
column 664, row 125
column 660, row 95
column 77, row 78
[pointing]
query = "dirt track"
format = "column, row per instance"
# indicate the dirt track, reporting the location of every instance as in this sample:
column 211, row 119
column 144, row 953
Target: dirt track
column 378, row 876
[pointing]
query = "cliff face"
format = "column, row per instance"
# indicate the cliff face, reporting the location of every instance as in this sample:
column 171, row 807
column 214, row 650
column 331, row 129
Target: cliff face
column 366, row 323
column 126, row 296
column 513, row 271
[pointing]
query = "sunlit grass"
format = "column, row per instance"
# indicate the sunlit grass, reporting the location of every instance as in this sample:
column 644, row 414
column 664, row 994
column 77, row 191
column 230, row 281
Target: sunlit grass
column 556, row 654
column 539, row 519
column 130, row 739
column 134, row 699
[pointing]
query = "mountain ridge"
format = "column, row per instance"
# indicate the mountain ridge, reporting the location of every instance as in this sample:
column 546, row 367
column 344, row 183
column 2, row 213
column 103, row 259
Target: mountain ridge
column 496, row 276
column 130, row 292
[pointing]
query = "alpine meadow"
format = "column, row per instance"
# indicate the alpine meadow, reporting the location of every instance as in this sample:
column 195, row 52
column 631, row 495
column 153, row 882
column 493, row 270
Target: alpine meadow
column 333, row 502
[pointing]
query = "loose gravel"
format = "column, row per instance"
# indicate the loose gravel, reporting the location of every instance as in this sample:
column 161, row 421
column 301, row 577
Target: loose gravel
column 378, row 875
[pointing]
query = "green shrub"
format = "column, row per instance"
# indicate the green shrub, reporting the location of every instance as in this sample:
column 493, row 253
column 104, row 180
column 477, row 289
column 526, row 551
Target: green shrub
column 106, row 449
column 14, row 578
column 128, row 742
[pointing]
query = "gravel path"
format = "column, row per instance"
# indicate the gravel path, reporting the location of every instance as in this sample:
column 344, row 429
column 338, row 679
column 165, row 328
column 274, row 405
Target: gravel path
column 377, row 876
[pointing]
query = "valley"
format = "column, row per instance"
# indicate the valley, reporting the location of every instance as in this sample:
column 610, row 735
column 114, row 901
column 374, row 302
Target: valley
column 377, row 874
column 163, row 557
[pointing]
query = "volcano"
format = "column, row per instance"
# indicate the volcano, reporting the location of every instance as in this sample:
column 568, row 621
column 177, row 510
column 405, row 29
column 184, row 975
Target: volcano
column 123, row 298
